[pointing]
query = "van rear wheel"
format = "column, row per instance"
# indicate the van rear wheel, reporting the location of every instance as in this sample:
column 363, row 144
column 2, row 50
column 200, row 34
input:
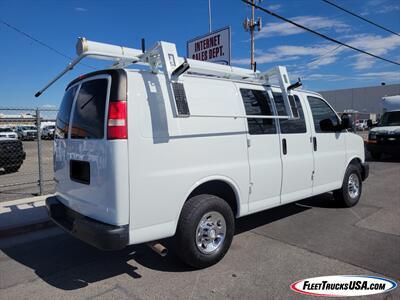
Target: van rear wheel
column 205, row 231
column 350, row 192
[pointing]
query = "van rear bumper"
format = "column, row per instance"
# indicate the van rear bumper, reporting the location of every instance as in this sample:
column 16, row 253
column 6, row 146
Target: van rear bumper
column 98, row 234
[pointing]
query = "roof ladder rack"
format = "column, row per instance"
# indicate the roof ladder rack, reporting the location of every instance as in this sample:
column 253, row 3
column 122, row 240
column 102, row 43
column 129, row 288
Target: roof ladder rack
column 163, row 56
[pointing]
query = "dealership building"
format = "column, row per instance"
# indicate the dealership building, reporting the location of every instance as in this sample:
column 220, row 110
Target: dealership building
column 365, row 101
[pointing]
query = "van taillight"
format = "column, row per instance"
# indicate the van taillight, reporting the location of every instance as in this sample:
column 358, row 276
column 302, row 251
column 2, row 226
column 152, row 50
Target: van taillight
column 117, row 127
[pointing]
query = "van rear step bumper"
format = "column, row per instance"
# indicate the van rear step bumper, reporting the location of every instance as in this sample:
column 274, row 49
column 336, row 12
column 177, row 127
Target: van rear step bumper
column 100, row 235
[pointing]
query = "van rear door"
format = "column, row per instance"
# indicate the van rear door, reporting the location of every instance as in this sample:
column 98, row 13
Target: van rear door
column 90, row 168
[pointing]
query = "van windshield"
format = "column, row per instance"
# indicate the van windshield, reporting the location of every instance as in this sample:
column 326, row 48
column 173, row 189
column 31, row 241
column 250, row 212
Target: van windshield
column 29, row 128
column 5, row 130
column 391, row 118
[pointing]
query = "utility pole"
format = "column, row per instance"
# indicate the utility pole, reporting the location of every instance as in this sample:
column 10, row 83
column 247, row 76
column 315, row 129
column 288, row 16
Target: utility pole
column 251, row 25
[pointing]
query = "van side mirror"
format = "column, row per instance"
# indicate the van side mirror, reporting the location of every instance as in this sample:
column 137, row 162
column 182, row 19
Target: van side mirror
column 346, row 123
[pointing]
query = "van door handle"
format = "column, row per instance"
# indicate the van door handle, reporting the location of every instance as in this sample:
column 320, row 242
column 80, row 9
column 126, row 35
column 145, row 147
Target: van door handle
column 284, row 146
column 315, row 143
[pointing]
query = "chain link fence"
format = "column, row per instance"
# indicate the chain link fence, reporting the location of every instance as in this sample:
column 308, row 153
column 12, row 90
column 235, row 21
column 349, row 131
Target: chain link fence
column 26, row 152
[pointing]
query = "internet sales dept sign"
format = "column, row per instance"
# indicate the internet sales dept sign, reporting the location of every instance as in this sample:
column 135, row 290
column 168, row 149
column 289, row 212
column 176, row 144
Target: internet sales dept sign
column 213, row 47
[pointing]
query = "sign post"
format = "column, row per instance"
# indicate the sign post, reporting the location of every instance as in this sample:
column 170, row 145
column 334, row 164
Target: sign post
column 213, row 47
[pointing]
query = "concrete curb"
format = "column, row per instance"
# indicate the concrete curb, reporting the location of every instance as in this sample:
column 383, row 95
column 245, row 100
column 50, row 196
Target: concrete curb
column 23, row 216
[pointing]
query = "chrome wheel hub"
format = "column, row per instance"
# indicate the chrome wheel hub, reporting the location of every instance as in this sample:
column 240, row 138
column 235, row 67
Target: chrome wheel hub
column 353, row 186
column 210, row 232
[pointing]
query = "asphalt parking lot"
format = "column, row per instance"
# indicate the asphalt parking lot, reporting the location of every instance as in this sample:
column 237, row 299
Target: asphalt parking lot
column 24, row 183
column 270, row 250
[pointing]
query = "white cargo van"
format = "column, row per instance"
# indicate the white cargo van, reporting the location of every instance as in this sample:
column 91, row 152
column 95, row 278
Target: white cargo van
column 186, row 147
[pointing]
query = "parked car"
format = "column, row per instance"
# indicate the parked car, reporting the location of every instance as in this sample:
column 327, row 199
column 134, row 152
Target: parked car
column 48, row 132
column 12, row 154
column 142, row 155
column 7, row 132
column 362, row 124
column 27, row 133
column 384, row 138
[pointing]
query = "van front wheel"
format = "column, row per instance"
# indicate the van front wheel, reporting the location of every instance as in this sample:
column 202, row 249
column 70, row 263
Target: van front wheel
column 205, row 231
column 350, row 192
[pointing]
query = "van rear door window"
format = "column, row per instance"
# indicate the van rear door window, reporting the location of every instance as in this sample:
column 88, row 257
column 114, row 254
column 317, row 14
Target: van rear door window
column 63, row 115
column 89, row 112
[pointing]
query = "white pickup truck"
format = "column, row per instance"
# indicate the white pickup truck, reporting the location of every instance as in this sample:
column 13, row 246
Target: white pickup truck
column 185, row 148
column 27, row 132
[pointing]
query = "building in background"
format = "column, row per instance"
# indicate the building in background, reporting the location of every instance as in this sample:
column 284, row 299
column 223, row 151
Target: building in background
column 364, row 103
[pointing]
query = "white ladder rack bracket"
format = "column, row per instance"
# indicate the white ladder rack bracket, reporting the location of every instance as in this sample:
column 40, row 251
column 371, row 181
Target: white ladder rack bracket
column 284, row 83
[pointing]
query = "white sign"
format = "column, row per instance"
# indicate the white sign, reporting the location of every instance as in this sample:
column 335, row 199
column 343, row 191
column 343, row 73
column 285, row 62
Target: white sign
column 213, row 47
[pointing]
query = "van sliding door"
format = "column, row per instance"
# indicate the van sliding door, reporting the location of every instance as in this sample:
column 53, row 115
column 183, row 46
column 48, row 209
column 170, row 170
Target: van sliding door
column 297, row 156
column 263, row 149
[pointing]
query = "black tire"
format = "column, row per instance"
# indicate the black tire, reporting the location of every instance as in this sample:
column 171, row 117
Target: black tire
column 376, row 155
column 343, row 196
column 192, row 213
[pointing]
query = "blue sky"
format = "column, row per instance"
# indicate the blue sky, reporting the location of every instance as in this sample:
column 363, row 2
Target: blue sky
column 27, row 66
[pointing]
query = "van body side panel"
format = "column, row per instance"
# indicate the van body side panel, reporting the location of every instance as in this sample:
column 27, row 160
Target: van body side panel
column 354, row 148
column 171, row 155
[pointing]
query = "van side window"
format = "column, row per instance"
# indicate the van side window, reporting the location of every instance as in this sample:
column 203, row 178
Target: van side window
column 320, row 111
column 89, row 112
column 258, row 103
column 290, row 126
column 62, row 122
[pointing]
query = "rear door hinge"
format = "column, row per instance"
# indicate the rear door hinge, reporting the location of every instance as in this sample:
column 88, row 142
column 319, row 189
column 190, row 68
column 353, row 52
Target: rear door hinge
column 248, row 142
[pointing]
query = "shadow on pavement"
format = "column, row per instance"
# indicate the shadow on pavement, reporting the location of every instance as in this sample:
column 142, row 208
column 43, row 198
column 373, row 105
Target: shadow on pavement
column 69, row 264
column 323, row 201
